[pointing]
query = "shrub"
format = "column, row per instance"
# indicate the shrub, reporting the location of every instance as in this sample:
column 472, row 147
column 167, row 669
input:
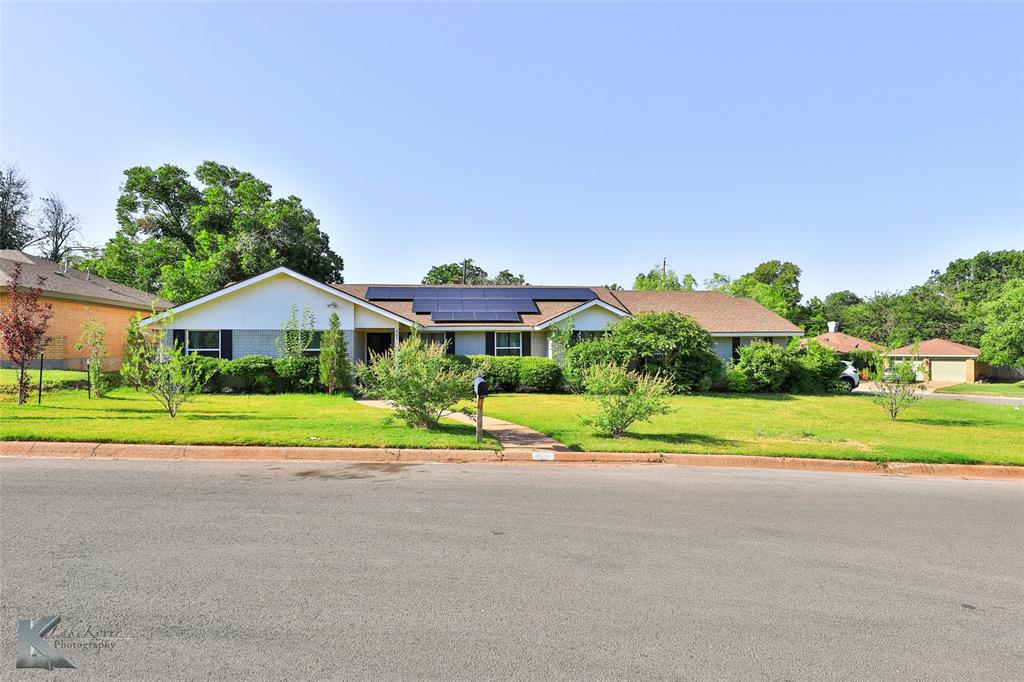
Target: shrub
column 94, row 340
column 255, row 372
column 501, row 373
column 766, row 366
column 419, row 380
column 578, row 358
column 669, row 344
column 539, row 374
column 461, row 361
column 624, row 397
column 297, row 375
column 814, row 369
column 210, row 371
column 736, row 380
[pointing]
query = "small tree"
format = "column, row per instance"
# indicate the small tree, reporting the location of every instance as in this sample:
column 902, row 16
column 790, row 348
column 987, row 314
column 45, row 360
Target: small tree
column 335, row 368
column 94, row 341
column 296, row 334
column 164, row 371
column 134, row 358
column 419, row 380
column 895, row 387
column 23, row 324
column 624, row 397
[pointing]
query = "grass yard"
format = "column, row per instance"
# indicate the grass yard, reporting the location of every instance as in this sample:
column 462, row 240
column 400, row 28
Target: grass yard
column 126, row 416
column 834, row 427
column 9, row 377
column 1008, row 390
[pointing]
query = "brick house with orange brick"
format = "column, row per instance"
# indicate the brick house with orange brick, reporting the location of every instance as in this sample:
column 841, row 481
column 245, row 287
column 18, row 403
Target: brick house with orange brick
column 76, row 297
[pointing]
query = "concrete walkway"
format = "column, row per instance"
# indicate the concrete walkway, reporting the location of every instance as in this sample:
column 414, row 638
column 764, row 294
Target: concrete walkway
column 510, row 436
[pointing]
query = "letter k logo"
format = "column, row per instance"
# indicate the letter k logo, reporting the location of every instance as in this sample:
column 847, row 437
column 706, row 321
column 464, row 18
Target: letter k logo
column 33, row 650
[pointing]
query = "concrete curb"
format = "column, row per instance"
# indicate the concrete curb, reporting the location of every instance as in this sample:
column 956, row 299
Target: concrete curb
column 111, row 451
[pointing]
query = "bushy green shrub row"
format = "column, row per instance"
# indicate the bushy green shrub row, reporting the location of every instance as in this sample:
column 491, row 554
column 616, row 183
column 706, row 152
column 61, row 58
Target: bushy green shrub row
column 258, row 374
column 764, row 367
column 513, row 373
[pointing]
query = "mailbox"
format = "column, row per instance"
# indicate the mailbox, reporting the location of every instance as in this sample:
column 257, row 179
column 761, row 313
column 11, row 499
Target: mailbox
column 480, row 387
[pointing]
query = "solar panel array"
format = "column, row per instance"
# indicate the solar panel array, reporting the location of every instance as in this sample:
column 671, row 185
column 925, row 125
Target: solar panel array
column 478, row 304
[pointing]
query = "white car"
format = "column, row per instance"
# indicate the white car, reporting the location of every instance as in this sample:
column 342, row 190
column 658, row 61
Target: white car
column 850, row 376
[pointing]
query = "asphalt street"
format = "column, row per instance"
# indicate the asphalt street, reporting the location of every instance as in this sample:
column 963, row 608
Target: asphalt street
column 272, row 570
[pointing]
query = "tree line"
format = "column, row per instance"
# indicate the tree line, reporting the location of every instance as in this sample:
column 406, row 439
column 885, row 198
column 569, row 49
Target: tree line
column 977, row 301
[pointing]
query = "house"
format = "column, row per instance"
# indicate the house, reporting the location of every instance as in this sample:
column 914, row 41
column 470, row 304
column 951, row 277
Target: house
column 245, row 318
column 841, row 343
column 942, row 360
column 76, row 296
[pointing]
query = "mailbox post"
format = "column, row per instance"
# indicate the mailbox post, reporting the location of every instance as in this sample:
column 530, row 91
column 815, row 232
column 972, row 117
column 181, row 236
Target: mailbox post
column 480, row 388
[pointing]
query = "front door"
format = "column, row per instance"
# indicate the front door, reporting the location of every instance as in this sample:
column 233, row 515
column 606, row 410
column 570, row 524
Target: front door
column 377, row 342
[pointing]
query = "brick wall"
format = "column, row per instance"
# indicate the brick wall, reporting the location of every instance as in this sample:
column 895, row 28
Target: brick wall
column 65, row 330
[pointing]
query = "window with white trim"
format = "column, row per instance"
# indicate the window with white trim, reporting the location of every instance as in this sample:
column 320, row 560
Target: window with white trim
column 508, row 343
column 203, row 342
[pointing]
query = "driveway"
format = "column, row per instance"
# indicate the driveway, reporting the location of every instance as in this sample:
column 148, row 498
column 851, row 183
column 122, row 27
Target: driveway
column 333, row 571
column 929, row 388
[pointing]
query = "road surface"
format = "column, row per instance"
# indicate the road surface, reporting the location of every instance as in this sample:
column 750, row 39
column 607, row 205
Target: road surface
column 168, row 570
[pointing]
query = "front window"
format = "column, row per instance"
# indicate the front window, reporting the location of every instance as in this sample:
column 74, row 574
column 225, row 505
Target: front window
column 204, row 343
column 314, row 344
column 508, row 343
column 580, row 336
column 433, row 337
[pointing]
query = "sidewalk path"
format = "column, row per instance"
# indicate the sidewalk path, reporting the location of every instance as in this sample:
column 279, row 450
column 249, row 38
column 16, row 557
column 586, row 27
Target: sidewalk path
column 510, row 436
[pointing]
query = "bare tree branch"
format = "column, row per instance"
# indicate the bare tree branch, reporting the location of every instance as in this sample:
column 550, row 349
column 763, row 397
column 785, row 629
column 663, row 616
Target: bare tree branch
column 58, row 229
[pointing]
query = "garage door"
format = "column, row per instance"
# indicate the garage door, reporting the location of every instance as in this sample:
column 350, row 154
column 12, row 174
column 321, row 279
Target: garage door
column 949, row 370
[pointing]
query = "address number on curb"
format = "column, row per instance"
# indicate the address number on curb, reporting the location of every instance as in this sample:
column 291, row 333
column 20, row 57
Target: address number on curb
column 543, row 456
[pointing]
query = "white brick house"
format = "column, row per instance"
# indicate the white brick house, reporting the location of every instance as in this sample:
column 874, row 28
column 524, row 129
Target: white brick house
column 245, row 318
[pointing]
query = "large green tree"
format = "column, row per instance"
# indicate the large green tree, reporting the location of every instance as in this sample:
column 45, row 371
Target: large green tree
column 663, row 278
column 774, row 284
column 185, row 240
column 468, row 272
column 970, row 283
column 1003, row 341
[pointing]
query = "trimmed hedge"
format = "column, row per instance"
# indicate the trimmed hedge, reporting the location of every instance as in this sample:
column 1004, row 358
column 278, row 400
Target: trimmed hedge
column 540, row 374
column 513, row 373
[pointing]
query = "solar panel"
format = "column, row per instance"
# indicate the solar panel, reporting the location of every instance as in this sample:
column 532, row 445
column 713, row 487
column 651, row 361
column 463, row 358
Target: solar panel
column 477, row 304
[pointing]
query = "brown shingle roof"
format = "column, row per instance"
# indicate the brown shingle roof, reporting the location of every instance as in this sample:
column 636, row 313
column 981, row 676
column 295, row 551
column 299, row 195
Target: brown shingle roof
column 843, row 343
column 713, row 310
column 74, row 284
column 938, row 347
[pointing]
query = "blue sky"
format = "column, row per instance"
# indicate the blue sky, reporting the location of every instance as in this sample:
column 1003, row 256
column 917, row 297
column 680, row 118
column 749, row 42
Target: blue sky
column 576, row 143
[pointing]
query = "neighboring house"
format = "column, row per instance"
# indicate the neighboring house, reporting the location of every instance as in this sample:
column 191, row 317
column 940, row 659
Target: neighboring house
column 844, row 344
column 245, row 318
column 943, row 360
column 75, row 297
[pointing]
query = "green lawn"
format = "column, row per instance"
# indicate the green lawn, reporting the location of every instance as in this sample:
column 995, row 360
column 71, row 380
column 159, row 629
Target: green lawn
column 835, row 427
column 9, row 377
column 294, row 419
column 1011, row 390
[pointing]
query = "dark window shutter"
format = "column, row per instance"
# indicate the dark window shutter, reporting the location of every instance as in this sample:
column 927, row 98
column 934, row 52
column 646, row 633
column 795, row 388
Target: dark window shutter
column 225, row 344
column 735, row 348
column 488, row 343
column 449, row 340
column 178, row 338
column 525, row 336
